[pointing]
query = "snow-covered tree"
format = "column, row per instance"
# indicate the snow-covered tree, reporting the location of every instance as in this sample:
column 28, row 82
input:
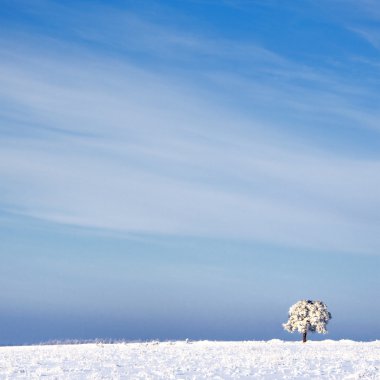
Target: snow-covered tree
column 307, row 316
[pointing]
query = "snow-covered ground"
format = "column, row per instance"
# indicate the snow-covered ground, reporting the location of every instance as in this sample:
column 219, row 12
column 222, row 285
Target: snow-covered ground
column 194, row 360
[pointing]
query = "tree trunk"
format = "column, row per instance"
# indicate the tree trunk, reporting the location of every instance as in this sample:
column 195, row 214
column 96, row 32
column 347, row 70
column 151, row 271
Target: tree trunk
column 304, row 337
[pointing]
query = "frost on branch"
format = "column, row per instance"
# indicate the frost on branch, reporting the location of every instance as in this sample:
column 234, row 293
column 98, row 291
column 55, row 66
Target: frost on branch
column 307, row 316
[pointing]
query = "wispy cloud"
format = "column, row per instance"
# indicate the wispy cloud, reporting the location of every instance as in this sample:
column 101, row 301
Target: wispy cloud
column 100, row 140
column 370, row 35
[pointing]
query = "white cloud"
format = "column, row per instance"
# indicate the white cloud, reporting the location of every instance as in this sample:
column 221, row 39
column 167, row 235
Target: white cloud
column 98, row 142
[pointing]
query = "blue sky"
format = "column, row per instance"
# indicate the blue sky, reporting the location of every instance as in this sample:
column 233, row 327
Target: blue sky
column 188, row 169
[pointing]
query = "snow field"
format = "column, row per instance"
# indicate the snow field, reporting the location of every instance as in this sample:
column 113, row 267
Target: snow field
column 194, row 360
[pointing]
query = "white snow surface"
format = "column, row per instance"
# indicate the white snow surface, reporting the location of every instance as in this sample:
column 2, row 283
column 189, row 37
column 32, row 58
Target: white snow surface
column 194, row 360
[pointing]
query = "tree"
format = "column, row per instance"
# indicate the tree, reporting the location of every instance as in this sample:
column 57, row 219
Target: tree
column 307, row 316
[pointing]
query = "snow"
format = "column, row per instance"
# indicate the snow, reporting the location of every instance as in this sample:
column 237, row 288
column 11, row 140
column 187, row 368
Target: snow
column 194, row 360
column 307, row 315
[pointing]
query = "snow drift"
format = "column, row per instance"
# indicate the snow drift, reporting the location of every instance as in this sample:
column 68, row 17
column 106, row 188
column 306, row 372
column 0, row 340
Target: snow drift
column 194, row 360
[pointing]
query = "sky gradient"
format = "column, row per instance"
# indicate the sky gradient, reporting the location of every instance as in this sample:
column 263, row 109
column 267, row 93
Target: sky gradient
column 188, row 169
